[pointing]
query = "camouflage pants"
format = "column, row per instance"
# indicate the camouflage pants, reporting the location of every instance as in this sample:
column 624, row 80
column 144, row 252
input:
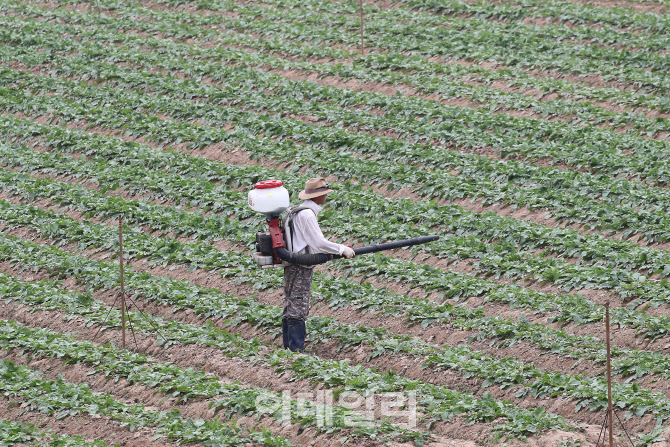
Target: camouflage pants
column 298, row 291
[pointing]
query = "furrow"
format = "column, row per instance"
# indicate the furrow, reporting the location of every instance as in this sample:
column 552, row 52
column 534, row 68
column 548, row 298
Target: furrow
column 439, row 363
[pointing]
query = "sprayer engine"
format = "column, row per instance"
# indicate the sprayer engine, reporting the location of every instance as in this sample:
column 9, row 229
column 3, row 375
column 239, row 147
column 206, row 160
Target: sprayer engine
column 271, row 198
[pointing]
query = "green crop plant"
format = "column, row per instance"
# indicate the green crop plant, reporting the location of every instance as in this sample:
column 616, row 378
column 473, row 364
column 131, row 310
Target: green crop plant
column 505, row 371
column 45, row 296
column 63, row 399
column 13, row 433
column 188, row 383
column 467, row 38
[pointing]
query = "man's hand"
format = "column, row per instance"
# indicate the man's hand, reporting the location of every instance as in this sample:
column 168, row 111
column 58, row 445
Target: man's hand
column 348, row 252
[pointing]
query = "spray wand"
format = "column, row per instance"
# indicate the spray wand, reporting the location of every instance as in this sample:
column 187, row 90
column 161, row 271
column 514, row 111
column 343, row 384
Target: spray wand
column 271, row 198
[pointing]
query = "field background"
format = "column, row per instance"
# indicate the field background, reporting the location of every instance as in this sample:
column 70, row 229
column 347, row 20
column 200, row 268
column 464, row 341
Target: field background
column 533, row 136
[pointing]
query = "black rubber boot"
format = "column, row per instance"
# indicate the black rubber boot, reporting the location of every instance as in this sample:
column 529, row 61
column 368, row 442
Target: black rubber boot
column 296, row 335
column 284, row 331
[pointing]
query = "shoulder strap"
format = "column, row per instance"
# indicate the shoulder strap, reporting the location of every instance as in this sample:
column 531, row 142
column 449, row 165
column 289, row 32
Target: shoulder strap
column 288, row 218
column 287, row 222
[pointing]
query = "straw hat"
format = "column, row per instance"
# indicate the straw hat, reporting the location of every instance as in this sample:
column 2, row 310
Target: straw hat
column 314, row 187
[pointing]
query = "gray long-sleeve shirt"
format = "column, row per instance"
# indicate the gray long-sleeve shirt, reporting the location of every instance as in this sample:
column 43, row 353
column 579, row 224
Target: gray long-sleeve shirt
column 307, row 233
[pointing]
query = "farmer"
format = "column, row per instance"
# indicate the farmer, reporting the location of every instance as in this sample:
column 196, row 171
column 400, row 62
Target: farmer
column 305, row 238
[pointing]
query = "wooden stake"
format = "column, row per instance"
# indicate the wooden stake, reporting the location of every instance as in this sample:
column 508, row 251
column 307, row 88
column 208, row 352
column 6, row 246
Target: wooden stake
column 610, row 416
column 362, row 42
column 123, row 292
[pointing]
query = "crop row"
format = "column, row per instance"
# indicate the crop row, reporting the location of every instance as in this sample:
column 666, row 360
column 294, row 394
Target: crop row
column 493, row 99
column 135, row 123
column 135, row 175
column 537, row 187
column 510, row 44
column 62, row 399
column 403, row 30
column 568, row 275
column 384, row 62
column 351, row 224
column 438, row 122
column 642, row 196
column 172, row 380
column 180, row 222
column 449, row 218
column 439, row 402
column 588, row 392
column 539, row 387
column 618, row 17
column 346, row 13
column 392, row 68
column 605, row 37
column 13, row 433
column 574, row 13
column 192, row 192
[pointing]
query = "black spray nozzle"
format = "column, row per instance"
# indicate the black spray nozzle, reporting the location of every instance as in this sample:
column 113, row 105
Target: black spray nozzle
column 320, row 258
column 393, row 245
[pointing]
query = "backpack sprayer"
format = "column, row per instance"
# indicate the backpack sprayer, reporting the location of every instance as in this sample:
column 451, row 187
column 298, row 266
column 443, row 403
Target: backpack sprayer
column 271, row 198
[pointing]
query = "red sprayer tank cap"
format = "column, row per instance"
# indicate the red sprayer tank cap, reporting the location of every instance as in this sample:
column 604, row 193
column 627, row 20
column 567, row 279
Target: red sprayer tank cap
column 268, row 184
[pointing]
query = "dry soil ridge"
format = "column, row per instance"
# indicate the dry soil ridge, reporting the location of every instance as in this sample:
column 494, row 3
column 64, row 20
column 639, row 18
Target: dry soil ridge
column 411, row 367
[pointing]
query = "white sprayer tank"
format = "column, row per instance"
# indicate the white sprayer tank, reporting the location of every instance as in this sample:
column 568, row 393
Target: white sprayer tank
column 269, row 197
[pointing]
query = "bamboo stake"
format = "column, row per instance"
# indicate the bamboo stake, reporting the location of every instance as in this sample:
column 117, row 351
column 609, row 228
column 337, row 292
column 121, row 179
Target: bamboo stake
column 610, row 416
column 123, row 292
column 362, row 42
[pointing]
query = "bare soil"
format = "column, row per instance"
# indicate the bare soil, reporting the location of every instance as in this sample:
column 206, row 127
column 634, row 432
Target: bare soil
column 643, row 7
column 452, row 433
column 409, row 91
column 91, row 428
column 600, row 296
column 411, row 367
column 187, row 356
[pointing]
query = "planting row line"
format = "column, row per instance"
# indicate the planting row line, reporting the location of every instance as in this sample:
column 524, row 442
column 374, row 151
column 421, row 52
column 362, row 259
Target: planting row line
column 508, row 19
column 478, row 40
column 171, row 380
column 135, row 175
column 579, row 275
column 384, row 62
column 12, row 433
column 40, row 34
column 449, row 218
column 61, row 399
column 488, row 172
column 437, row 122
column 618, row 17
column 192, row 192
column 346, row 13
column 381, row 67
column 360, row 297
column 354, row 221
column 565, row 11
column 588, row 392
column 371, row 67
column 439, row 402
column 128, row 115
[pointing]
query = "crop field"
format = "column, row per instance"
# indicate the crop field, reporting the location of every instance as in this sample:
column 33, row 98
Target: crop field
column 532, row 136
